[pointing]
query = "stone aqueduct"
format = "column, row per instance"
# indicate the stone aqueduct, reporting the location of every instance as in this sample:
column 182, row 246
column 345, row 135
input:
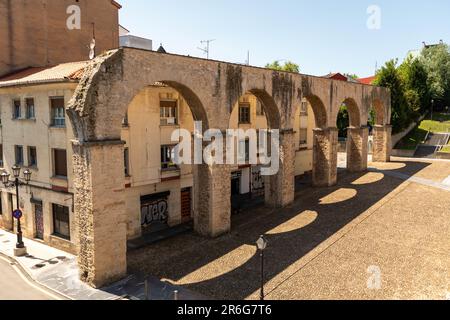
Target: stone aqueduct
column 211, row 89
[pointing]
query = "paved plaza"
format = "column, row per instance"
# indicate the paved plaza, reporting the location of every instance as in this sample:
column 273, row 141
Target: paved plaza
column 330, row 244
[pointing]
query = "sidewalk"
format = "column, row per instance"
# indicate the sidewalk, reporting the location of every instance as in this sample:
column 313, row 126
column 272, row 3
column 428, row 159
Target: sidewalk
column 52, row 268
column 58, row 271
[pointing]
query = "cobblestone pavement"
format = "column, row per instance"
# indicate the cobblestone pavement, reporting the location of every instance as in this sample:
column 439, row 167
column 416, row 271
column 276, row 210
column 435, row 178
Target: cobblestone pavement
column 373, row 236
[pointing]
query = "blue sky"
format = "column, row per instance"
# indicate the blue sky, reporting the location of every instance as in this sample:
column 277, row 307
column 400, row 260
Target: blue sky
column 321, row 36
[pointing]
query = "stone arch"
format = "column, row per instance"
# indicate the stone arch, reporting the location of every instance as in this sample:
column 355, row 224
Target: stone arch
column 270, row 107
column 101, row 100
column 353, row 112
column 320, row 112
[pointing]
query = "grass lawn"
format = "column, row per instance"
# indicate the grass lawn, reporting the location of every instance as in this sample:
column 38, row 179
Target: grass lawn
column 413, row 139
column 446, row 149
column 440, row 123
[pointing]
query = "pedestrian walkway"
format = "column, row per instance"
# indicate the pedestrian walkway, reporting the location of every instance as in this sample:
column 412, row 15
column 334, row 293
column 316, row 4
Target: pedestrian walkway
column 58, row 271
column 52, row 268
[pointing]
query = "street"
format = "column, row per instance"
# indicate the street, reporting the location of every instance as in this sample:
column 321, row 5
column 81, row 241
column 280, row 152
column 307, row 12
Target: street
column 14, row 287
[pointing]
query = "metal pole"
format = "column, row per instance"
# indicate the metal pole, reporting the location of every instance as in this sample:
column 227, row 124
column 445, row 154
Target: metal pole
column 262, row 275
column 20, row 244
column 175, row 295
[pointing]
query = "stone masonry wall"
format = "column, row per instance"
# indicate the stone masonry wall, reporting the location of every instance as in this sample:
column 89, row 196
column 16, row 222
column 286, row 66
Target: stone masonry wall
column 382, row 144
column 325, row 157
column 357, row 149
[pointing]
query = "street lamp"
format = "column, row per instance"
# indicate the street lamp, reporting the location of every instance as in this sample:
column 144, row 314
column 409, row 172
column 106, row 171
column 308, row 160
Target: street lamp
column 432, row 108
column 20, row 246
column 261, row 244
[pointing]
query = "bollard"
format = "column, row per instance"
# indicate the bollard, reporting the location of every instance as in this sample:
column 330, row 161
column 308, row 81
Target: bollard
column 175, row 295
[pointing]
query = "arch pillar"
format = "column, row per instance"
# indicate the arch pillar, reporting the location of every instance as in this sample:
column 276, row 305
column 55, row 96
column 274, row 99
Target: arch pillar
column 382, row 143
column 357, row 149
column 99, row 207
column 212, row 205
column 280, row 188
column 325, row 157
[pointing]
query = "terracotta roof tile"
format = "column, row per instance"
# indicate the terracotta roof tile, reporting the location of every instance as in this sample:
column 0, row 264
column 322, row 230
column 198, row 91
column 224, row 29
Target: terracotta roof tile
column 72, row 71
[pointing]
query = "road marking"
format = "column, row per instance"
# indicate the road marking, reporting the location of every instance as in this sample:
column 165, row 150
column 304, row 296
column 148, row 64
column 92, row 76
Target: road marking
column 13, row 265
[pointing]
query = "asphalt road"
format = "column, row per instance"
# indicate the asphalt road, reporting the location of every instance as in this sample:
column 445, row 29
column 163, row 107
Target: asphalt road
column 15, row 287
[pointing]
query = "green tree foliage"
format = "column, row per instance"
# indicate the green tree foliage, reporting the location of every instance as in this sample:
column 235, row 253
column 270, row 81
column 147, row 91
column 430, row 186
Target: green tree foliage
column 389, row 76
column 415, row 78
column 436, row 60
column 288, row 66
column 343, row 121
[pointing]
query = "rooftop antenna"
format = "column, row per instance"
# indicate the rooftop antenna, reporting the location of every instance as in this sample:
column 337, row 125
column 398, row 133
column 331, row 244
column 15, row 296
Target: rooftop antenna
column 206, row 49
column 92, row 44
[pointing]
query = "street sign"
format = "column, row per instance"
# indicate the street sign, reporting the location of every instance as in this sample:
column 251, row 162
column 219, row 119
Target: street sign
column 17, row 214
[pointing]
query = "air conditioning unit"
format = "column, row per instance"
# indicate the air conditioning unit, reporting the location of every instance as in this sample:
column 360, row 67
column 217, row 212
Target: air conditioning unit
column 170, row 121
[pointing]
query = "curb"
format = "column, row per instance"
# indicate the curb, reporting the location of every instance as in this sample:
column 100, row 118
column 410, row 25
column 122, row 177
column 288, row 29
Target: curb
column 20, row 268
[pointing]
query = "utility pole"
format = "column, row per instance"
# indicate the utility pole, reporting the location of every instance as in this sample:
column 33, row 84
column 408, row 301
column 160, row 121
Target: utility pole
column 206, row 49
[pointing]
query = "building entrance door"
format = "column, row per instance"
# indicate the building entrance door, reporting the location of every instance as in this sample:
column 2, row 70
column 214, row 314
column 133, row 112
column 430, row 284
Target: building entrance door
column 186, row 205
column 39, row 221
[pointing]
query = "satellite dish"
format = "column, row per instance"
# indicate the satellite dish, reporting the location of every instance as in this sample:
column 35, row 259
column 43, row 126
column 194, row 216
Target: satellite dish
column 92, row 50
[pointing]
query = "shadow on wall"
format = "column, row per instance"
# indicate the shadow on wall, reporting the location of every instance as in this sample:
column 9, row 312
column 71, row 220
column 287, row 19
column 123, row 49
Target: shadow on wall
column 316, row 215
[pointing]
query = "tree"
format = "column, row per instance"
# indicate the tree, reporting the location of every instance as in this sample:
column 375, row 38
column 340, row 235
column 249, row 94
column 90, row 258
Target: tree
column 415, row 80
column 351, row 76
column 436, row 60
column 343, row 121
column 288, row 66
column 389, row 76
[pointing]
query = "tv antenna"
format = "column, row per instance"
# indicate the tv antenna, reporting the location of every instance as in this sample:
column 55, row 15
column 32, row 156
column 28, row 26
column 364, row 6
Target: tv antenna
column 206, row 49
column 92, row 44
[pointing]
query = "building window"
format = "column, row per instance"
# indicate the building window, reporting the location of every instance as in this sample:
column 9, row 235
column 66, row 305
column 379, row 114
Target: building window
column 17, row 109
column 166, row 158
column 19, row 155
column 244, row 113
column 61, row 221
column 259, row 109
column 32, row 157
column 168, row 113
column 58, row 112
column 60, row 162
column 30, row 108
column 303, row 136
column 304, row 108
column 126, row 159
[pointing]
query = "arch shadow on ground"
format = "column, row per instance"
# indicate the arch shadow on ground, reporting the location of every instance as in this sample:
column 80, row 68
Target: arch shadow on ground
column 228, row 267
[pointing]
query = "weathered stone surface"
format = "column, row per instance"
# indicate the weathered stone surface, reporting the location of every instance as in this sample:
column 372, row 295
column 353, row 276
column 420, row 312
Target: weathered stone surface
column 100, row 212
column 325, row 157
column 357, row 149
column 209, row 88
column 280, row 188
column 382, row 143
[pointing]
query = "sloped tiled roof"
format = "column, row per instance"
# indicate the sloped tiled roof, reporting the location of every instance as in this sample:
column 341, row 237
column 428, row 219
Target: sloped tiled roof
column 72, row 71
column 368, row 80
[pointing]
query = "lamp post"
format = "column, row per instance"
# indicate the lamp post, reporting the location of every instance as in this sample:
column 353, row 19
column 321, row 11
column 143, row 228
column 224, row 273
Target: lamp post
column 432, row 108
column 261, row 244
column 20, row 246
